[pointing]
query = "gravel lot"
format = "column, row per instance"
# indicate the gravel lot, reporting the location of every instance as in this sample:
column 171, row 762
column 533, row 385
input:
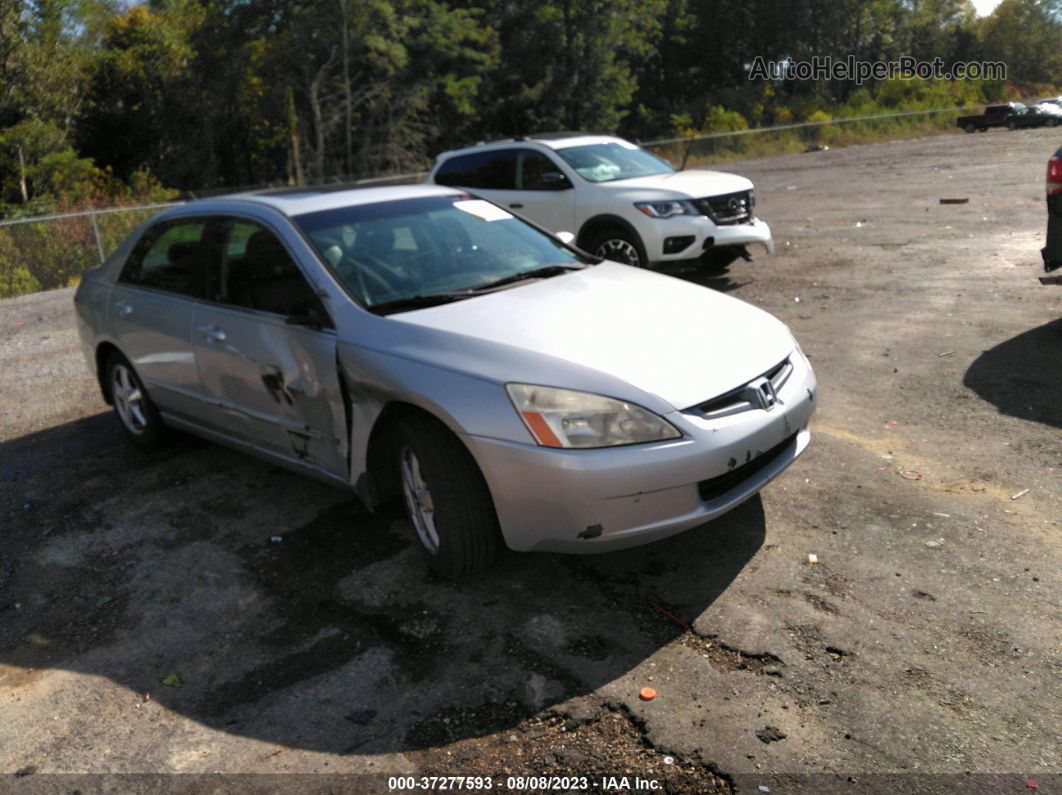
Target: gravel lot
column 923, row 647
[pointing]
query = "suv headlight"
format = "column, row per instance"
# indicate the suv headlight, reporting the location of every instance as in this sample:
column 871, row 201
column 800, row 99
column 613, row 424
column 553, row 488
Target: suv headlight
column 666, row 209
column 566, row 418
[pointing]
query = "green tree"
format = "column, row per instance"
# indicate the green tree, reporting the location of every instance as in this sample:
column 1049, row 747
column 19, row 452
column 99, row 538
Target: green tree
column 1027, row 36
column 141, row 108
column 568, row 64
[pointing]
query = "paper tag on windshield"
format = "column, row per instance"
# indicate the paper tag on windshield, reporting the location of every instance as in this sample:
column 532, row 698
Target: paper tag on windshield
column 485, row 211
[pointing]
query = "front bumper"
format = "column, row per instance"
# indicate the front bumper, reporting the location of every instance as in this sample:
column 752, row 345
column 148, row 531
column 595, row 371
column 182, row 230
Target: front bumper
column 706, row 234
column 587, row 501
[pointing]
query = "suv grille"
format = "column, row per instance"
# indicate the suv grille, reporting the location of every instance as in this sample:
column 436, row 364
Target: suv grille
column 730, row 208
column 744, row 397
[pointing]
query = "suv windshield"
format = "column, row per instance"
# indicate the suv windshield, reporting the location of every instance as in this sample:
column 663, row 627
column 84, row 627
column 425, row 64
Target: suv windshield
column 611, row 161
column 418, row 252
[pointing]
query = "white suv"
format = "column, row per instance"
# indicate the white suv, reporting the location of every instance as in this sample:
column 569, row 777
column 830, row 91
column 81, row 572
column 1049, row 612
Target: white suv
column 621, row 202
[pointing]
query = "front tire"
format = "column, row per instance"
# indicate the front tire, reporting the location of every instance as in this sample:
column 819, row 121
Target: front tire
column 619, row 245
column 970, row 128
column 134, row 408
column 446, row 498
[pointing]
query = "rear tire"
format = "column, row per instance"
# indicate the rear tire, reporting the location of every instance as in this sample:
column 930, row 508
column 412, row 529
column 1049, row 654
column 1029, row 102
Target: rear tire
column 617, row 244
column 1011, row 125
column 133, row 406
column 446, row 499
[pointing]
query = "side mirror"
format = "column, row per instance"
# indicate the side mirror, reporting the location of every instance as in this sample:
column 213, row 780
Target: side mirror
column 554, row 180
column 566, row 237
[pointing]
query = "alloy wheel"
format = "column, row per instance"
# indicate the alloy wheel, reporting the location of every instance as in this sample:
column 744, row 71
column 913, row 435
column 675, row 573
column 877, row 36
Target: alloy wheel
column 619, row 250
column 419, row 501
column 128, row 399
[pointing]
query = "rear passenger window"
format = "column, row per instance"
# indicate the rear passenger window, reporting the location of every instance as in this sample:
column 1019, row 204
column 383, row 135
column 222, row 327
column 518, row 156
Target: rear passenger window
column 494, row 170
column 173, row 256
column 258, row 273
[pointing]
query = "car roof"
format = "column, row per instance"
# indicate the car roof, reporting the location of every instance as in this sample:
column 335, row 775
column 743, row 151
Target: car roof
column 295, row 201
column 556, row 140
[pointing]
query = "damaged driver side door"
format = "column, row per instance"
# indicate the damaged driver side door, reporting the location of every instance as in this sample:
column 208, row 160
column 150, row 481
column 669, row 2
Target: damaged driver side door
column 265, row 349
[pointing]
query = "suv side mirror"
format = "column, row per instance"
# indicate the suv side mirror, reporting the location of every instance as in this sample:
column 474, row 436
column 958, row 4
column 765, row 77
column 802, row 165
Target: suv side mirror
column 554, row 180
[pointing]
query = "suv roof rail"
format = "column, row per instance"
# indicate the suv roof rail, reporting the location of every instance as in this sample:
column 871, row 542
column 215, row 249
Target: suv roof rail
column 542, row 136
column 549, row 136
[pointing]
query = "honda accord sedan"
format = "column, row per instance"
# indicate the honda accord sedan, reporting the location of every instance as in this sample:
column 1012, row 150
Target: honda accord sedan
column 420, row 343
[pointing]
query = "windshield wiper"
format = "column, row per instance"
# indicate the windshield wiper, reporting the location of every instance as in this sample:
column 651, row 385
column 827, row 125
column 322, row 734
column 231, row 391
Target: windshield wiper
column 419, row 301
column 435, row 299
column 536, row 273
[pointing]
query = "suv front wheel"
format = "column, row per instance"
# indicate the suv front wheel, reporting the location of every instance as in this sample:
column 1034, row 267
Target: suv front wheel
column 617, row 244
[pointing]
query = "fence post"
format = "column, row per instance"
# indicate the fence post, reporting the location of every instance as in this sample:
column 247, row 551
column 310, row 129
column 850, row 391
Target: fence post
column 96, row 232
column 686, row 154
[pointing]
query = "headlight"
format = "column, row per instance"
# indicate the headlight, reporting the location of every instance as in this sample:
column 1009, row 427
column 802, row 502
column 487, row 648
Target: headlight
column 666, row 209
column 566, row 418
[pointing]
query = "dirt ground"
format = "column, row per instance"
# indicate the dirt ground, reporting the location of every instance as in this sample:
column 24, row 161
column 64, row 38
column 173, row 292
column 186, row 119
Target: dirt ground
column 149, row 625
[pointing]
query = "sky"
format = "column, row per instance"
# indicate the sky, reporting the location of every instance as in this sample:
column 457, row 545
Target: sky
column 985, row 7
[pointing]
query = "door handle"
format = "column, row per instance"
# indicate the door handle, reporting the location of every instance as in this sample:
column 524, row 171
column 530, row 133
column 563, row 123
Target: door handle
column 124, row 308
column 517, row 206
column 212, row 333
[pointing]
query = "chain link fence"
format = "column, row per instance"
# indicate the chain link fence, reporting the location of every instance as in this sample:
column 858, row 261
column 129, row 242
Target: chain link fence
column 693, row 151
column 52, row 251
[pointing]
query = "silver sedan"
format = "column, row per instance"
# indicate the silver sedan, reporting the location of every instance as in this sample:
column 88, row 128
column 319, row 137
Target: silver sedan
column 420, row 343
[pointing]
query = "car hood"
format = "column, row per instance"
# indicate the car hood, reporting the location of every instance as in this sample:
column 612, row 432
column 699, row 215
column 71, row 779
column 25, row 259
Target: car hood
column 693, row 184
column 677, row 341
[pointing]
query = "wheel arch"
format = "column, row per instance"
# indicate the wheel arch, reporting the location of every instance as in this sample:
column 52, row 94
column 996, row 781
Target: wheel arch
column 104, row 350
column 379, row 482
column 605, row 221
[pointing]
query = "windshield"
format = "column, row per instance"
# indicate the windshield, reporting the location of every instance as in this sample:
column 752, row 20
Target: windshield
column 416, row 249
column 611, row 161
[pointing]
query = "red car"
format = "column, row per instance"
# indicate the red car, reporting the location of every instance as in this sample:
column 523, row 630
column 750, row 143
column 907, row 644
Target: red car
column 1052, row 252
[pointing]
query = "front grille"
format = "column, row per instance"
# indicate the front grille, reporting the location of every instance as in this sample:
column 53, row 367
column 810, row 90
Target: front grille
column 716, row 487
column 744, row 397
column 728, row 209
column 780, row 374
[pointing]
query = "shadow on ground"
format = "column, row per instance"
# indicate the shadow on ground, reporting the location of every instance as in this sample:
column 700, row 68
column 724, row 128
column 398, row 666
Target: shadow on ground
column 1022, row 377
column 137, row 566
column 707, row 276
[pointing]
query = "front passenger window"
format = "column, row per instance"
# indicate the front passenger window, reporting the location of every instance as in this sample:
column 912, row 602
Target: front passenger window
column 257, row 272
column 538, row 172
